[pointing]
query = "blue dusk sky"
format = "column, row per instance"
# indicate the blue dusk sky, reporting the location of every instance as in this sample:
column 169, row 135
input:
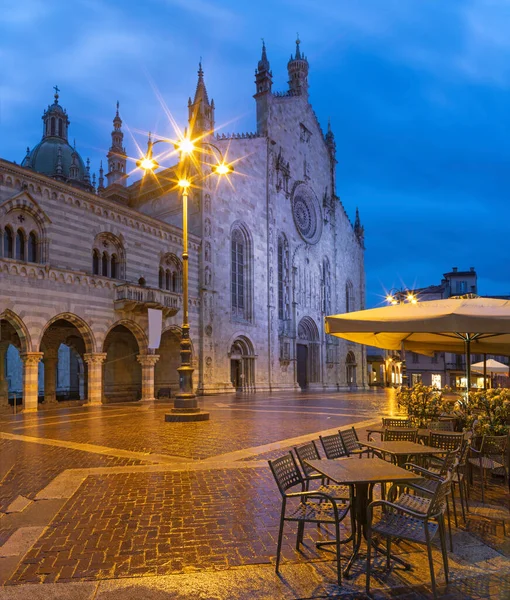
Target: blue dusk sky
column 418, row 92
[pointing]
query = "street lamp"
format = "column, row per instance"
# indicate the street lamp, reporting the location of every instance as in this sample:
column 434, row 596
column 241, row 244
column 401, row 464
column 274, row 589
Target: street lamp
column 396, row 296
column 185, row 402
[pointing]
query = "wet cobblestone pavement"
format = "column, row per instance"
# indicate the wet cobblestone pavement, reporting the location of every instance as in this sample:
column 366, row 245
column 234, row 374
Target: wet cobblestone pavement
column 125, row 514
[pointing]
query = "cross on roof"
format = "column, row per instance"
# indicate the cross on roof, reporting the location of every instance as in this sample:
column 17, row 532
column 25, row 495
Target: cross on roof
column 56, row 90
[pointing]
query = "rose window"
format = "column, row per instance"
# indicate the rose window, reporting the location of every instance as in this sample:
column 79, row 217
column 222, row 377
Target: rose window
column 307, row 214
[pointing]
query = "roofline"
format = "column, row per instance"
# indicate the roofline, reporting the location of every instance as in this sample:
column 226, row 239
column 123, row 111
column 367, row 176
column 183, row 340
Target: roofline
column 29, row 175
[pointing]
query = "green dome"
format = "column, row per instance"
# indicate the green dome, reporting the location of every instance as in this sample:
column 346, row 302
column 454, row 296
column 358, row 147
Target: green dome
column 44, row 158
column 53, row 156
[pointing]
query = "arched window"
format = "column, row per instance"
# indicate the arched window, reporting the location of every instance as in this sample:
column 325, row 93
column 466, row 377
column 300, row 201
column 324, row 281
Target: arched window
column 8, row 243
column 52, row 125
column 95, row 262
column 170, row 273
column 108, row 257
column 60, row 127
column 326, row 279
column 349, row 297
column 238, row 255
column 113, row 267
column 241, row 273
column 20, row 245
column 32, row 247
column 105, row 264
column 175, row 281
column 283, row 277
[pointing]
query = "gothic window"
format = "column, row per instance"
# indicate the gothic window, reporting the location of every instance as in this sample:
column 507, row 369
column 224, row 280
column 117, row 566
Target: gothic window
column 20, row 245
column 241, row 273
column 32, row 247
column 238, row 255
column 108, row 258
column 281, row 277
column 349, row 297
column 8, row 243
column 326, row 278
column 170, row 274
column 95, row 262
column 105, row 264
column 113, row 267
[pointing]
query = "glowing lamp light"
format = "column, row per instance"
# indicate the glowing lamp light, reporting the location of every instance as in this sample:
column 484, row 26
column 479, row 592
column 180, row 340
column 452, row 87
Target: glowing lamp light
column 186, row 146
column 184, row 183
column 222, row 169
column 389, row 298
column 147, row 164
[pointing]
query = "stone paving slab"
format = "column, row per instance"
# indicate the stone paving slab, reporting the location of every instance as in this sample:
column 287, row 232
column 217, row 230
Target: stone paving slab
column 35, row 465
column 148, row 433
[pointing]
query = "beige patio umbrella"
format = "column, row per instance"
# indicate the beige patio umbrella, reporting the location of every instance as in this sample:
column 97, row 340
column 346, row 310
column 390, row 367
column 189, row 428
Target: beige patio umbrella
column 458, row 325
column 491, row 366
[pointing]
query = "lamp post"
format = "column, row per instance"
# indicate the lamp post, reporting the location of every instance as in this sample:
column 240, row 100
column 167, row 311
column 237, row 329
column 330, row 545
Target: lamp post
column 185, row 403
column 396, row 296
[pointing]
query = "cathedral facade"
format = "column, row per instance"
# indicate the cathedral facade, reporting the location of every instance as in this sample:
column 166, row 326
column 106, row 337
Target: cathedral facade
column 271, row 252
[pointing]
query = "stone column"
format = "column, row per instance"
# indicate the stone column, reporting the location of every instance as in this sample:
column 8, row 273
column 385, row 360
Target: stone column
column 4, row 384
column 30, row 380
column 50, row 360
column 148, row 361
column 81, row 384
column 95, row 381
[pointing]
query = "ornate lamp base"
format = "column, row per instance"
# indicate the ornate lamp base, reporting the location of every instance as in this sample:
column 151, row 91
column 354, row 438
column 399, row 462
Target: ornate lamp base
column 178, row 415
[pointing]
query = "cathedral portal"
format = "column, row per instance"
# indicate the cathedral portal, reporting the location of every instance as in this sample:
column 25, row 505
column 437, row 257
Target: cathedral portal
column 308, row 353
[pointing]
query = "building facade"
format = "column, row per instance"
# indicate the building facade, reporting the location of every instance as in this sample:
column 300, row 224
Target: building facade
column 272, row 251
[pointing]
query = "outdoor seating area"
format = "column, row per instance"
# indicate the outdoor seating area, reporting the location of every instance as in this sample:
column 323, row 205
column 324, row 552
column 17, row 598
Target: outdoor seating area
column 405, row 491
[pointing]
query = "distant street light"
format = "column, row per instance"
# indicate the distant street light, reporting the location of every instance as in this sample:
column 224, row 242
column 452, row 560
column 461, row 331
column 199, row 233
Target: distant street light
column 402, row 296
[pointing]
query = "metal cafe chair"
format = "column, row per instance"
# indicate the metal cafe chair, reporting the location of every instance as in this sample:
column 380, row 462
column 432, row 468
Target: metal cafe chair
column 413, row 518
column 458, row 476
column 443, row 425
column 333, row 446
column 432, row 478
column 396, row 435
column 305, row 506
column 393, row 423
column 351, row 443
column 310, row 451
column 491, row 455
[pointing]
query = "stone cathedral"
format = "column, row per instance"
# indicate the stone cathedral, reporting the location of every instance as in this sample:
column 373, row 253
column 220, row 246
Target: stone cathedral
column 271, row 252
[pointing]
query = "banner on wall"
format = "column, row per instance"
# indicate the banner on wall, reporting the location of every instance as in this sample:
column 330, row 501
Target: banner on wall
column 155, row 327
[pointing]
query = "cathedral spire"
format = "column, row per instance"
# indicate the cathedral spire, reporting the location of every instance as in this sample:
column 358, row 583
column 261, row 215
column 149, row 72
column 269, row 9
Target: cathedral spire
column 201, row 111
column 100, row 186
column 359, row 230
column 329, row 138
column 117, row 154
column 263, row 82
column 297, row 68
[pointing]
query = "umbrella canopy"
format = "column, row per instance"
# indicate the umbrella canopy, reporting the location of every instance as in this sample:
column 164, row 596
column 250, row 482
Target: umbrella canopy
column 455, row 325
column 492, row 366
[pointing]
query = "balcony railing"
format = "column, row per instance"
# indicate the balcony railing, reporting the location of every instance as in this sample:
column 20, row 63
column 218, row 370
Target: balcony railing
column 136, row 298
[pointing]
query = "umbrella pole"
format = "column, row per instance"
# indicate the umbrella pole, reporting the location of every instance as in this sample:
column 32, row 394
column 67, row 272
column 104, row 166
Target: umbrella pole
column 485, row 371
column 468, row 364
